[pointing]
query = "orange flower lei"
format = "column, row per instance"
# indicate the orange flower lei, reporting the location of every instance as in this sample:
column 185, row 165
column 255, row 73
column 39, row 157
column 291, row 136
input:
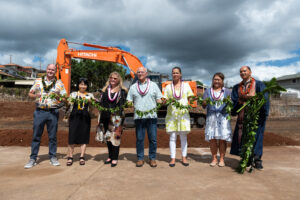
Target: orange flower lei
column 248, row 89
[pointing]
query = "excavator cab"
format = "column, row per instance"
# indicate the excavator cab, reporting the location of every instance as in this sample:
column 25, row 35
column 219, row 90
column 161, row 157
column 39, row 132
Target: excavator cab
column 154, row 77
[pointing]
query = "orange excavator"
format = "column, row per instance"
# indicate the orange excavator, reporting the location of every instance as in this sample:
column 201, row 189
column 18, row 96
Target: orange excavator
column 109, row 54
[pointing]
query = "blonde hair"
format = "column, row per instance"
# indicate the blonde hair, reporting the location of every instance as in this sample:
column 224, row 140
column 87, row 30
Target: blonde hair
column 120, row 85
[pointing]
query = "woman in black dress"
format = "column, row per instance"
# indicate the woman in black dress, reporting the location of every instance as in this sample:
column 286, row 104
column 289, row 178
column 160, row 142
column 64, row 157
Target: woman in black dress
column 114, row 95
column 80, row 121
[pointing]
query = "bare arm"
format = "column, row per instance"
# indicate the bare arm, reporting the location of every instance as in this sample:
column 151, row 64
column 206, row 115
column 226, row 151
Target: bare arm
column 33, row 95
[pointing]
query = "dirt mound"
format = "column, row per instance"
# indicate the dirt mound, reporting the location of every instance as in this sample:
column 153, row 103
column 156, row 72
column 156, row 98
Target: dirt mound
column 16, row 137
column 16, row 130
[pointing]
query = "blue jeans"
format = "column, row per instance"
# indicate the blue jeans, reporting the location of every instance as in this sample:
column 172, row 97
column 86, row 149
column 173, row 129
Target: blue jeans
column 140, row 126
column 40, row 118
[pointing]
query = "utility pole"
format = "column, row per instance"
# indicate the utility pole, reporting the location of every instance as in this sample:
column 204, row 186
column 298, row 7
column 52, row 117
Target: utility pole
column 10, row 59
column 40, row 63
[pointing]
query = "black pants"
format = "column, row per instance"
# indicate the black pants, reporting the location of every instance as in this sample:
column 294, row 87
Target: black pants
column 113, row 151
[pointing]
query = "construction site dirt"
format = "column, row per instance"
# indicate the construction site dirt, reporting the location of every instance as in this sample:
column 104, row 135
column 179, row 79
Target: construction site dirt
column 16, row 121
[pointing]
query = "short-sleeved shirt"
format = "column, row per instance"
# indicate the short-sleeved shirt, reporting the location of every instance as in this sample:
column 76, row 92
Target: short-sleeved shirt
column 144, row 102
column 45, row 101
column 176, row 119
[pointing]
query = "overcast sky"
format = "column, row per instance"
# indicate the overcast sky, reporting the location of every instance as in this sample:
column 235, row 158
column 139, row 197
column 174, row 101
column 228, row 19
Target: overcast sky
column 201, row 36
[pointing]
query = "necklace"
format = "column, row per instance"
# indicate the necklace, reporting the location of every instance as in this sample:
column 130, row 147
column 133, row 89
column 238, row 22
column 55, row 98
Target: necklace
column 79, row 102
column 47, row 88
column 247, row 89
column 146, row 90
column 109, row 93
column 213, row 94
column 174, row 92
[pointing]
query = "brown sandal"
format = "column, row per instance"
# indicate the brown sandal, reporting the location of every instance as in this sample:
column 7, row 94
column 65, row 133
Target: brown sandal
column 82, row 161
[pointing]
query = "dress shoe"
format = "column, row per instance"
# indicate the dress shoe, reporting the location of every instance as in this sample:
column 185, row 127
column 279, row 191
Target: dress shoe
column 153, row 163
column 185, row 164
column 139, row 163
column 258, row 165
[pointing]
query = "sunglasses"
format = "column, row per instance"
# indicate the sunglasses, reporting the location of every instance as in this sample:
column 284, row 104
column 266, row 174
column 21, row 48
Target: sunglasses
column 82, row 79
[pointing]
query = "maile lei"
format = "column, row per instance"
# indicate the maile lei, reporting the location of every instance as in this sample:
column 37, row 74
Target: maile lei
column 250, row 123
column 47, row 88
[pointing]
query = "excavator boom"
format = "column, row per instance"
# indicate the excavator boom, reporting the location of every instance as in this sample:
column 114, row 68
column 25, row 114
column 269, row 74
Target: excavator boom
column 109, row 54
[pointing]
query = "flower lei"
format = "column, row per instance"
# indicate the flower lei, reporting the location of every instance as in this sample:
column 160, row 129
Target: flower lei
column 81, row 102
column 174, row 92
column 47, row 88
column 248, row 89
column 251, row 118
column 115, row 96
column 146, row 90
column 213, row 94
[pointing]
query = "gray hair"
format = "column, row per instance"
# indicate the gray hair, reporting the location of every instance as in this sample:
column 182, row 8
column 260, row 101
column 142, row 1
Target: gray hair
column 144, row 68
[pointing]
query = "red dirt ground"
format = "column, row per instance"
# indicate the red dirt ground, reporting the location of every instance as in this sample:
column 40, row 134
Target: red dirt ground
column 16, row 130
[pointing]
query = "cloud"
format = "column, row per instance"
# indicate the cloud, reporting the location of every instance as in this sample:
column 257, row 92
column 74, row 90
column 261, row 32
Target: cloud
column 203, row 37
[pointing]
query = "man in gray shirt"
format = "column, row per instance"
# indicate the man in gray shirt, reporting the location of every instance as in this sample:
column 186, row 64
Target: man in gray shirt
column 145, row 94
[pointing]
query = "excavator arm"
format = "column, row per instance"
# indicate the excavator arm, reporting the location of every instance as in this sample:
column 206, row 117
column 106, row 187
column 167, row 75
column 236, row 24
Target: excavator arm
column 109, row 54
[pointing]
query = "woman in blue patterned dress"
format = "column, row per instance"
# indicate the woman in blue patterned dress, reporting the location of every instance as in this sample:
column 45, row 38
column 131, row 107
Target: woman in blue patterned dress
column 218, row 129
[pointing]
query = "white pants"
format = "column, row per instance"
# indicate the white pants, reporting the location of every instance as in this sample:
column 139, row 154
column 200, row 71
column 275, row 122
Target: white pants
column 183, row 140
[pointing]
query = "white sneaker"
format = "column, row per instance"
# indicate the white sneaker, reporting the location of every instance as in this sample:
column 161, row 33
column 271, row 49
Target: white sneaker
column 54, row 161
column 30, row 164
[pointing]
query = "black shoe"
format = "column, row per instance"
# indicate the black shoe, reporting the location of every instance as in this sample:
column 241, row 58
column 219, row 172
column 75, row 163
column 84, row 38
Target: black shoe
column 258, row 165
column 185, row 164
column 113, row 164
column 172, row 165
column 107, row 162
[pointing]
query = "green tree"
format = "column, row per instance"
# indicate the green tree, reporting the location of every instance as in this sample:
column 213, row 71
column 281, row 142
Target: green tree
column 22, row 73
column 96, row 72
column 199, row 83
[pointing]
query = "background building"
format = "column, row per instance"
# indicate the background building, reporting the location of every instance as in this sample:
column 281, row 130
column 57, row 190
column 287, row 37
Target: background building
column 290, row 81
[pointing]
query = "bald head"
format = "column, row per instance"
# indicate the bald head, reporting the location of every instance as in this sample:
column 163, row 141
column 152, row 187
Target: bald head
column 142, row 74
column 51, row 70
column 142, row 69
column 245, row 73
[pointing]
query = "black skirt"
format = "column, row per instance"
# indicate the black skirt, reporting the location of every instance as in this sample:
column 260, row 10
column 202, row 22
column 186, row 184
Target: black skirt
column 79, row 126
